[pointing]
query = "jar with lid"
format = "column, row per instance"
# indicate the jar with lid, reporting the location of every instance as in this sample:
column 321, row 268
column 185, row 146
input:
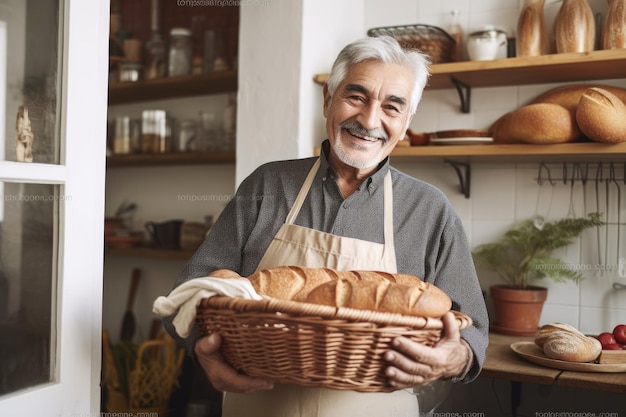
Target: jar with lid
column 180, row 52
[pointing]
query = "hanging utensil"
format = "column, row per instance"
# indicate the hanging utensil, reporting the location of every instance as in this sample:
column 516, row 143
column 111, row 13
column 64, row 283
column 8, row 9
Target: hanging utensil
column 571, row 213
column 129, row 322
column 598, row 181
column 538, row 219
column 619, row 210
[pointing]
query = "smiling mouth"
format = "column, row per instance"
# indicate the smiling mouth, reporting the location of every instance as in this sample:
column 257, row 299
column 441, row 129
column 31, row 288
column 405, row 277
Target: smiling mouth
column 367, row 138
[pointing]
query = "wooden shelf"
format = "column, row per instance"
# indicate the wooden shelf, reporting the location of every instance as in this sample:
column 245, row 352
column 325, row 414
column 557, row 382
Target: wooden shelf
column 587, row 151
column 150, row 253
column 173, row 87
column 554, row 68
column 180, row 158
column 517, row 152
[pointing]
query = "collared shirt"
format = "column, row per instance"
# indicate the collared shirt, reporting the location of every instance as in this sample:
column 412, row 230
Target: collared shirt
column 429, row 238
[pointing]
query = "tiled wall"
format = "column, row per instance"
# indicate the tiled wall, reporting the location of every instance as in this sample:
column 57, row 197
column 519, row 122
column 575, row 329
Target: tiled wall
column 505, row 193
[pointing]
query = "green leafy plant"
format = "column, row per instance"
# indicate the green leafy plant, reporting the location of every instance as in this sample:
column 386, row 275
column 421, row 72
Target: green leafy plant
column 524, row 253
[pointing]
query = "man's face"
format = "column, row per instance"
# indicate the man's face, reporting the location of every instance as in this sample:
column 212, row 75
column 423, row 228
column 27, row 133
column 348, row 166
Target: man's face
column 369, row 112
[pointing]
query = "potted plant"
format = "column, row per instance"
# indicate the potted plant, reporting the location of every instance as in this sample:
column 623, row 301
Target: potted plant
column 522, row 256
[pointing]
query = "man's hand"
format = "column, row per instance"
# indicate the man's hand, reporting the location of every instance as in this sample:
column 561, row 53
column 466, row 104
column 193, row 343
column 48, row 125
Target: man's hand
column 413, row 364
column 222, row 376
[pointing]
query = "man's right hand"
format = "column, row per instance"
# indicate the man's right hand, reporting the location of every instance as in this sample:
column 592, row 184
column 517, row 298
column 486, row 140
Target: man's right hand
column 222, row 376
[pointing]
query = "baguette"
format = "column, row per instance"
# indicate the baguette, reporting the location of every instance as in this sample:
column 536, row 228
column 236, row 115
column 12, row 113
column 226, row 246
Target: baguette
column 564, row 342
column 367, row 290
column 601, row 116
column 295, row 283
column 423, row 299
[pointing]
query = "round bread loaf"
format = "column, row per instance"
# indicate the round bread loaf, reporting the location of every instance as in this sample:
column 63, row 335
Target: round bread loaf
column 539, row 123
column 548, row 329
column 601, row 116
column 572, row 347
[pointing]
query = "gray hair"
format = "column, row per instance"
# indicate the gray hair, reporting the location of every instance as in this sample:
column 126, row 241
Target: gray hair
column 385, row 49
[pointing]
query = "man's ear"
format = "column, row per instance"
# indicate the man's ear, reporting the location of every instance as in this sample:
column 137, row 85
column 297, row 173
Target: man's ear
column 327, row 98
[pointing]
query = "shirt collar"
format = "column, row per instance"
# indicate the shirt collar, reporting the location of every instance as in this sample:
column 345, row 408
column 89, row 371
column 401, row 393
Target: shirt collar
column 371, row 183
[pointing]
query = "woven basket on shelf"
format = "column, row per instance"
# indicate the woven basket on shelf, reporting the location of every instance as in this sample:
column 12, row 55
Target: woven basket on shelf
column 431, row 40
column 312, row 345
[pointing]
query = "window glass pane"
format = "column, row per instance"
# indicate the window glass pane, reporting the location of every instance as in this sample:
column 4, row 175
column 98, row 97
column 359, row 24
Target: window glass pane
column 29, row 81
column 28, row 225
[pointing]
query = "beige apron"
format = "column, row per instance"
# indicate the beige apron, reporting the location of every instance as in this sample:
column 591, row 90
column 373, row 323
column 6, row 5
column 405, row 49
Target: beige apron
column 297, row 245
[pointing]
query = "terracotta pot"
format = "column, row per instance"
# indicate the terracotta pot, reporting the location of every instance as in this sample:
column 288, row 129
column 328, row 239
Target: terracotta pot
column 517, row 311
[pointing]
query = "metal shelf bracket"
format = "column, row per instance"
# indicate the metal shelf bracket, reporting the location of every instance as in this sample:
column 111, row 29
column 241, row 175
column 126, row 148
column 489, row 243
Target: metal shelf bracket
column 464, row 175
column 465, row 93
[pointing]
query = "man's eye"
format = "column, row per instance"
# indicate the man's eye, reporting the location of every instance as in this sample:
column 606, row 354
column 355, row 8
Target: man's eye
column 357, row 98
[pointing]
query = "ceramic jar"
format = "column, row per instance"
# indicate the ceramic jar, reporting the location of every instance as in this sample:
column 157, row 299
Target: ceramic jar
column 614, row 28
column 484, row 45
column 574, row 27
column 532, row 33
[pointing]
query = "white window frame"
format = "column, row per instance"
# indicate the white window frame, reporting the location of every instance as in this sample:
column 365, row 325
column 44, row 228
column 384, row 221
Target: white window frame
column 75, row 386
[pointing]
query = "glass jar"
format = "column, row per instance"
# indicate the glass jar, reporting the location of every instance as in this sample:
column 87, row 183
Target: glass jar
column 180, row 52
column 187, row 136
column 154, row 135
column 121, row 141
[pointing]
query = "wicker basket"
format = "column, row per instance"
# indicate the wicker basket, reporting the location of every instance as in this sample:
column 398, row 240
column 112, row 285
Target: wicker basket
column 312, row 345
column 431, row 40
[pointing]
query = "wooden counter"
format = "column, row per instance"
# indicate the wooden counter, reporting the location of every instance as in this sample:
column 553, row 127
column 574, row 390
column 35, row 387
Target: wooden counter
column 503, row 363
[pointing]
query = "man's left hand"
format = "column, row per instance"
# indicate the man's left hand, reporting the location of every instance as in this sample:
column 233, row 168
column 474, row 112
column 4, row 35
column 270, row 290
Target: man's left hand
column 413, row 364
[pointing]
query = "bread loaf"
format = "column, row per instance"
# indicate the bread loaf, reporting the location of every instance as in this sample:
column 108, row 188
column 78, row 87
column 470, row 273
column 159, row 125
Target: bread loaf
column 540, row 123
column 368, row 290
column 569, row 96
column 572, row 347
column 295, row 283
column 564, row 342
column 547, row 330
column 601, row 116
column 419, row 299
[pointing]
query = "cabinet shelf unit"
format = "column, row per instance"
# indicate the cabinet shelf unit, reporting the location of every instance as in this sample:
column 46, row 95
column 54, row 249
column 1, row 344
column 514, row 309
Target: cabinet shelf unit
column 160, row 89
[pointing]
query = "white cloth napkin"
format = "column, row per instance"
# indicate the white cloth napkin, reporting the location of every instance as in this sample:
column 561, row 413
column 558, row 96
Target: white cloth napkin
column 184, row 299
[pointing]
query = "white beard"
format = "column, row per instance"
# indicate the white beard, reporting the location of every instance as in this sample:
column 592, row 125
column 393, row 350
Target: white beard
column 349, row 160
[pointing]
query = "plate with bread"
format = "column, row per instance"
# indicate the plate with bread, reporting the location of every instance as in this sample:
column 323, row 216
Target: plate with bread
column 561, row 346
column 320, row 327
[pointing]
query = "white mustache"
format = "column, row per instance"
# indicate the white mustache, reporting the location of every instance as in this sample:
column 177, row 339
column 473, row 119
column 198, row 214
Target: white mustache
column 356, row 127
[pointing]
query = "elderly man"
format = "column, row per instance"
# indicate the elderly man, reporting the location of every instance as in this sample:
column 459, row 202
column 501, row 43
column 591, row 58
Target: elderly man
column 294, row 213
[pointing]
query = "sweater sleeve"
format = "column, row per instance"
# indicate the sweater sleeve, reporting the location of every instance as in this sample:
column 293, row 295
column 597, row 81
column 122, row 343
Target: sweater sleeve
column 456, row 275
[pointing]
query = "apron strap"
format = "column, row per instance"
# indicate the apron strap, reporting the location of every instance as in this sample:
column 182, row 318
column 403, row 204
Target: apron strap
column 388, row 216
column 293, row 213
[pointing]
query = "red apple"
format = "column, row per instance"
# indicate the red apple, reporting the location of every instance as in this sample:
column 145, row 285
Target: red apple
column 619, row 333
column 606, row 338
column 611, row 346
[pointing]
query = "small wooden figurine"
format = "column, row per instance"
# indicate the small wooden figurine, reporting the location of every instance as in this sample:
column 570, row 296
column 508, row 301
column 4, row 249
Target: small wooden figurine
column 25, row 137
